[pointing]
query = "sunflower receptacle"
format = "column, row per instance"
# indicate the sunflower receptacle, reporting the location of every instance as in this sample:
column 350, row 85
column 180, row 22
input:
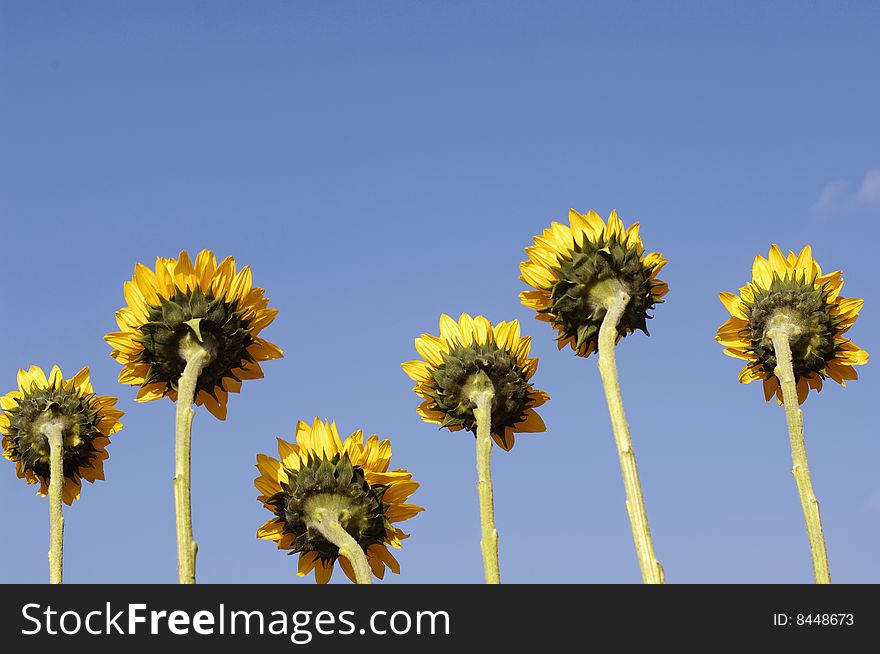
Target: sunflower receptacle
column 321, row 485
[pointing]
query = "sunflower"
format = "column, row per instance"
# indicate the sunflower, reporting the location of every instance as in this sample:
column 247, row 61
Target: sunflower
column 321, row 473
column 792, row 289
column 464, row 349
column 87, row 422
column 212, row 303
column 575, row 269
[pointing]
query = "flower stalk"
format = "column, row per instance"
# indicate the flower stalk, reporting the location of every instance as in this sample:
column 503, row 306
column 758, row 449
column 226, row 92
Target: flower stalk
column 196, row 357
column 327, row 522
column 780, row 334
column 54, row 432
column 652, row 571
column 482, row 393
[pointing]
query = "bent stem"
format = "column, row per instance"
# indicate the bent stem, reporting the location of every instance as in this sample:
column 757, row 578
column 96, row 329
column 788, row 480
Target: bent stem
column 794, row 417
column 53, row 431
column 652, row 571
column 196, row 358
column 482, row 393
column 327, row 522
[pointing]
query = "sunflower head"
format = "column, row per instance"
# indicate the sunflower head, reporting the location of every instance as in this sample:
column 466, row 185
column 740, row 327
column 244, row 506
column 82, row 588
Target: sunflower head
column 575, row 270
column 466, row 355
column 86, row 420
column 321, row 473
column 792, row 292
column 179, row 304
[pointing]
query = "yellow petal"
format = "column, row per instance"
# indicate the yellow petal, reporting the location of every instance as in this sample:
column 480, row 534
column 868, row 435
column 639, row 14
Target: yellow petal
column 852, row 354
column 147, row 284
column 347, row 569
column 466, row 327
column 268, row 486
column 55, row 378
column 264, row 350
column 272, row 530
column 533, row 423
column 34, row 377
column 505, row 440
column 778, row 263
column 537, row 398
column 850, row 306
column 535, row 299
column 482, row 329
column 223, row 276
column 400, row 491
column 615, row 226
column 449, row 330
column 71, row 490
column 381, row 553
column 734, row 305
column 323, row 571
column 748, row 374
column 596, row 225
column 537, row 276
column 149, row 392
column 771, row 386
column 632, row 236
column 205, row 265
column 217, row 407
column 417, row 370
column 430, row 348
column 307, row 562
column 803, row 389
column 269, row 467
column 242, row 284
column 289, row 454
column 804, row 262
column 400, row 512
column 761, row 272
column 82, row 382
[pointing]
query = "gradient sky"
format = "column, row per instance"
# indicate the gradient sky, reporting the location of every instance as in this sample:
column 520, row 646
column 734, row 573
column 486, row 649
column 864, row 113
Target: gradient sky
column 378, row 163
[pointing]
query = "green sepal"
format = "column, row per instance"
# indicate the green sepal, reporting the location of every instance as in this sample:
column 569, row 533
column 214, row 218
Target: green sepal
column 193, row 324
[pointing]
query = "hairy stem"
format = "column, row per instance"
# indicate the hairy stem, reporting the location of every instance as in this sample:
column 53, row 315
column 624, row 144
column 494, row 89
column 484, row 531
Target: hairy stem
column 327, row 522
column 784, row 372
column 482, row 394
column 196, row 359
column 652, row 571
column 54, row 432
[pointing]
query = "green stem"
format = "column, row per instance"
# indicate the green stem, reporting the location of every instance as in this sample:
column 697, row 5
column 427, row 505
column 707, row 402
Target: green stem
column 196, row 358
column 327, row 522
column 54, row 432
column 794, row 417
column 482, row 395
column 652, row 571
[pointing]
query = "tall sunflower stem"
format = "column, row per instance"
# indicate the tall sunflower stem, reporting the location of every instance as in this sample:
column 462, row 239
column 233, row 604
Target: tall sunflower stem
column 794, row 417
column 483, row 397
column 54, row 432
column 652, row 571
column 196, row 358
column 327, row 522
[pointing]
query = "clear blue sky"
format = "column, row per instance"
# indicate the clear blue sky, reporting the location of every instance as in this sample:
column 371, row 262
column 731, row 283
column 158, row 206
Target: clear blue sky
column 378, row 163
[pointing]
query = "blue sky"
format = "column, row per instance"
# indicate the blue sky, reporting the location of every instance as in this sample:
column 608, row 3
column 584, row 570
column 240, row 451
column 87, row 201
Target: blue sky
column 378, row 163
